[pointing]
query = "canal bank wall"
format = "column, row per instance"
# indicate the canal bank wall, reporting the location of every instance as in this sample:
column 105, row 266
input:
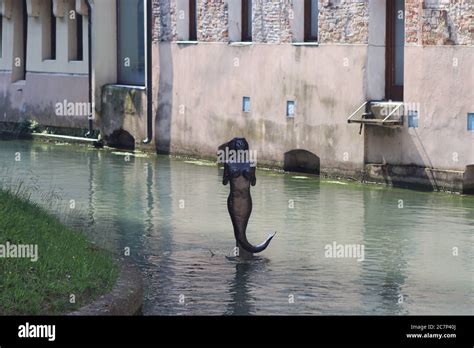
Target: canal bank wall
column 415, row 177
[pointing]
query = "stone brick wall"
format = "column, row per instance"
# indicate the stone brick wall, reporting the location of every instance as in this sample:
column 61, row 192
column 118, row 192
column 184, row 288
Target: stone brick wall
column 413, row 18
column 340, row 21
column 271, row 21
column 343, row 21
column 213, row 21
column 428, row 22
column 164, row 24
column 440, row 22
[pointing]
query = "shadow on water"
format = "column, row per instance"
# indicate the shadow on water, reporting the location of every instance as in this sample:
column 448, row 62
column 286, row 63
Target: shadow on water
column 386, row 277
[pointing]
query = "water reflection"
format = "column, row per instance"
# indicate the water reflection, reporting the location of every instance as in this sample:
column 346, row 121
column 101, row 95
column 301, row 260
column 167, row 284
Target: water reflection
column 170, row 214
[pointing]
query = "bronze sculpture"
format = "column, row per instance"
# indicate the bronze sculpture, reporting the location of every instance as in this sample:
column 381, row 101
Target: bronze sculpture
column 239, row 171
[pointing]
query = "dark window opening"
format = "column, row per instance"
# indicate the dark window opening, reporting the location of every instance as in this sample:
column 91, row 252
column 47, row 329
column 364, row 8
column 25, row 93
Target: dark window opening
column 1, row 34
column 79, row 37
column 246, row 20
column 311, row 13
column 52, row 28
column 22, row 75
column 192, row 20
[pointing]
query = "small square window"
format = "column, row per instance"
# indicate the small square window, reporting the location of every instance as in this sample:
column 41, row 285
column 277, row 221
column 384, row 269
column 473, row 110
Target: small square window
column 290, row 108
column 413, row 119
column 246, row 104
column 470, row 121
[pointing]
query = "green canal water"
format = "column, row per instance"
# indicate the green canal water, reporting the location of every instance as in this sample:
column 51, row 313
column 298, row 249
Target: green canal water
column 172, row 216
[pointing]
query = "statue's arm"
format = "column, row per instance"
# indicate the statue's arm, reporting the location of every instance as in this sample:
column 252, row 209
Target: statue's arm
column 225, row 179
column 253, row 176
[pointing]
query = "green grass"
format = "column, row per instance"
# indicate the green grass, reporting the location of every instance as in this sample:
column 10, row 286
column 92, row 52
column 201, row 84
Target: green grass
column 67, row 265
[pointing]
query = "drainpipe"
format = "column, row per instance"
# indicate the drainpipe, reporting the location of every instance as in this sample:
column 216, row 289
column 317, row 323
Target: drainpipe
column 149, row 72
column 89, row 33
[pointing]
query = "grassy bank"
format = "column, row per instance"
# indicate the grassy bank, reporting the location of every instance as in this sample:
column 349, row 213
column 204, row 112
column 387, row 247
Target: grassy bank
column 68, row 266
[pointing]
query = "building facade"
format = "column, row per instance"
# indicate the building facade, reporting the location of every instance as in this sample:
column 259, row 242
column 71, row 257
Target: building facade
column 372, row 89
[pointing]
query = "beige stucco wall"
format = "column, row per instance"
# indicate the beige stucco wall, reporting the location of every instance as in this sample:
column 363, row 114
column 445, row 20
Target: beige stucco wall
column 35, row 98
column 440, row 79
column 199, row 103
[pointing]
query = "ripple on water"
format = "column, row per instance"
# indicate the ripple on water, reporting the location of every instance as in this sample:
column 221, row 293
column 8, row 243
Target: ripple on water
column 173, row 217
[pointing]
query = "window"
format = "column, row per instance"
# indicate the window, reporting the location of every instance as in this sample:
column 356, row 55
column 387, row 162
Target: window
column 131, row 42
column 20, row 36
column 52, row 31
column 25, row 39
column 246, row 104
column 75, row 39
column 413, row 119
column 311, row 14
column 470, row 122
column 79, row 37
column 1, row 34
column 290, row 109
column 49, row 33
column 246, row 20
column 192, row 20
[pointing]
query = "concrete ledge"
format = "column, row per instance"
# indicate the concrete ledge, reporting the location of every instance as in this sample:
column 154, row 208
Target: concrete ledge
column 418, row 177
column 126, row 297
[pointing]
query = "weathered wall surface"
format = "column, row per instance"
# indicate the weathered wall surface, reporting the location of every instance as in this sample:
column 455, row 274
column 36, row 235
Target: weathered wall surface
column 271, row 21
column 195, row 118
column 343, row 21
column 439, row 22
column 36, row 98
column 445, row 96
column 199, row 88
column 213, row 21
column 439, row 83
column 124, row 108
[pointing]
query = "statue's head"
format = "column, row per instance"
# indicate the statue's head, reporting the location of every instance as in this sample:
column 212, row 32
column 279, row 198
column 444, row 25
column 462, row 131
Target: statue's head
column 238, row 144
column 235, row 144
